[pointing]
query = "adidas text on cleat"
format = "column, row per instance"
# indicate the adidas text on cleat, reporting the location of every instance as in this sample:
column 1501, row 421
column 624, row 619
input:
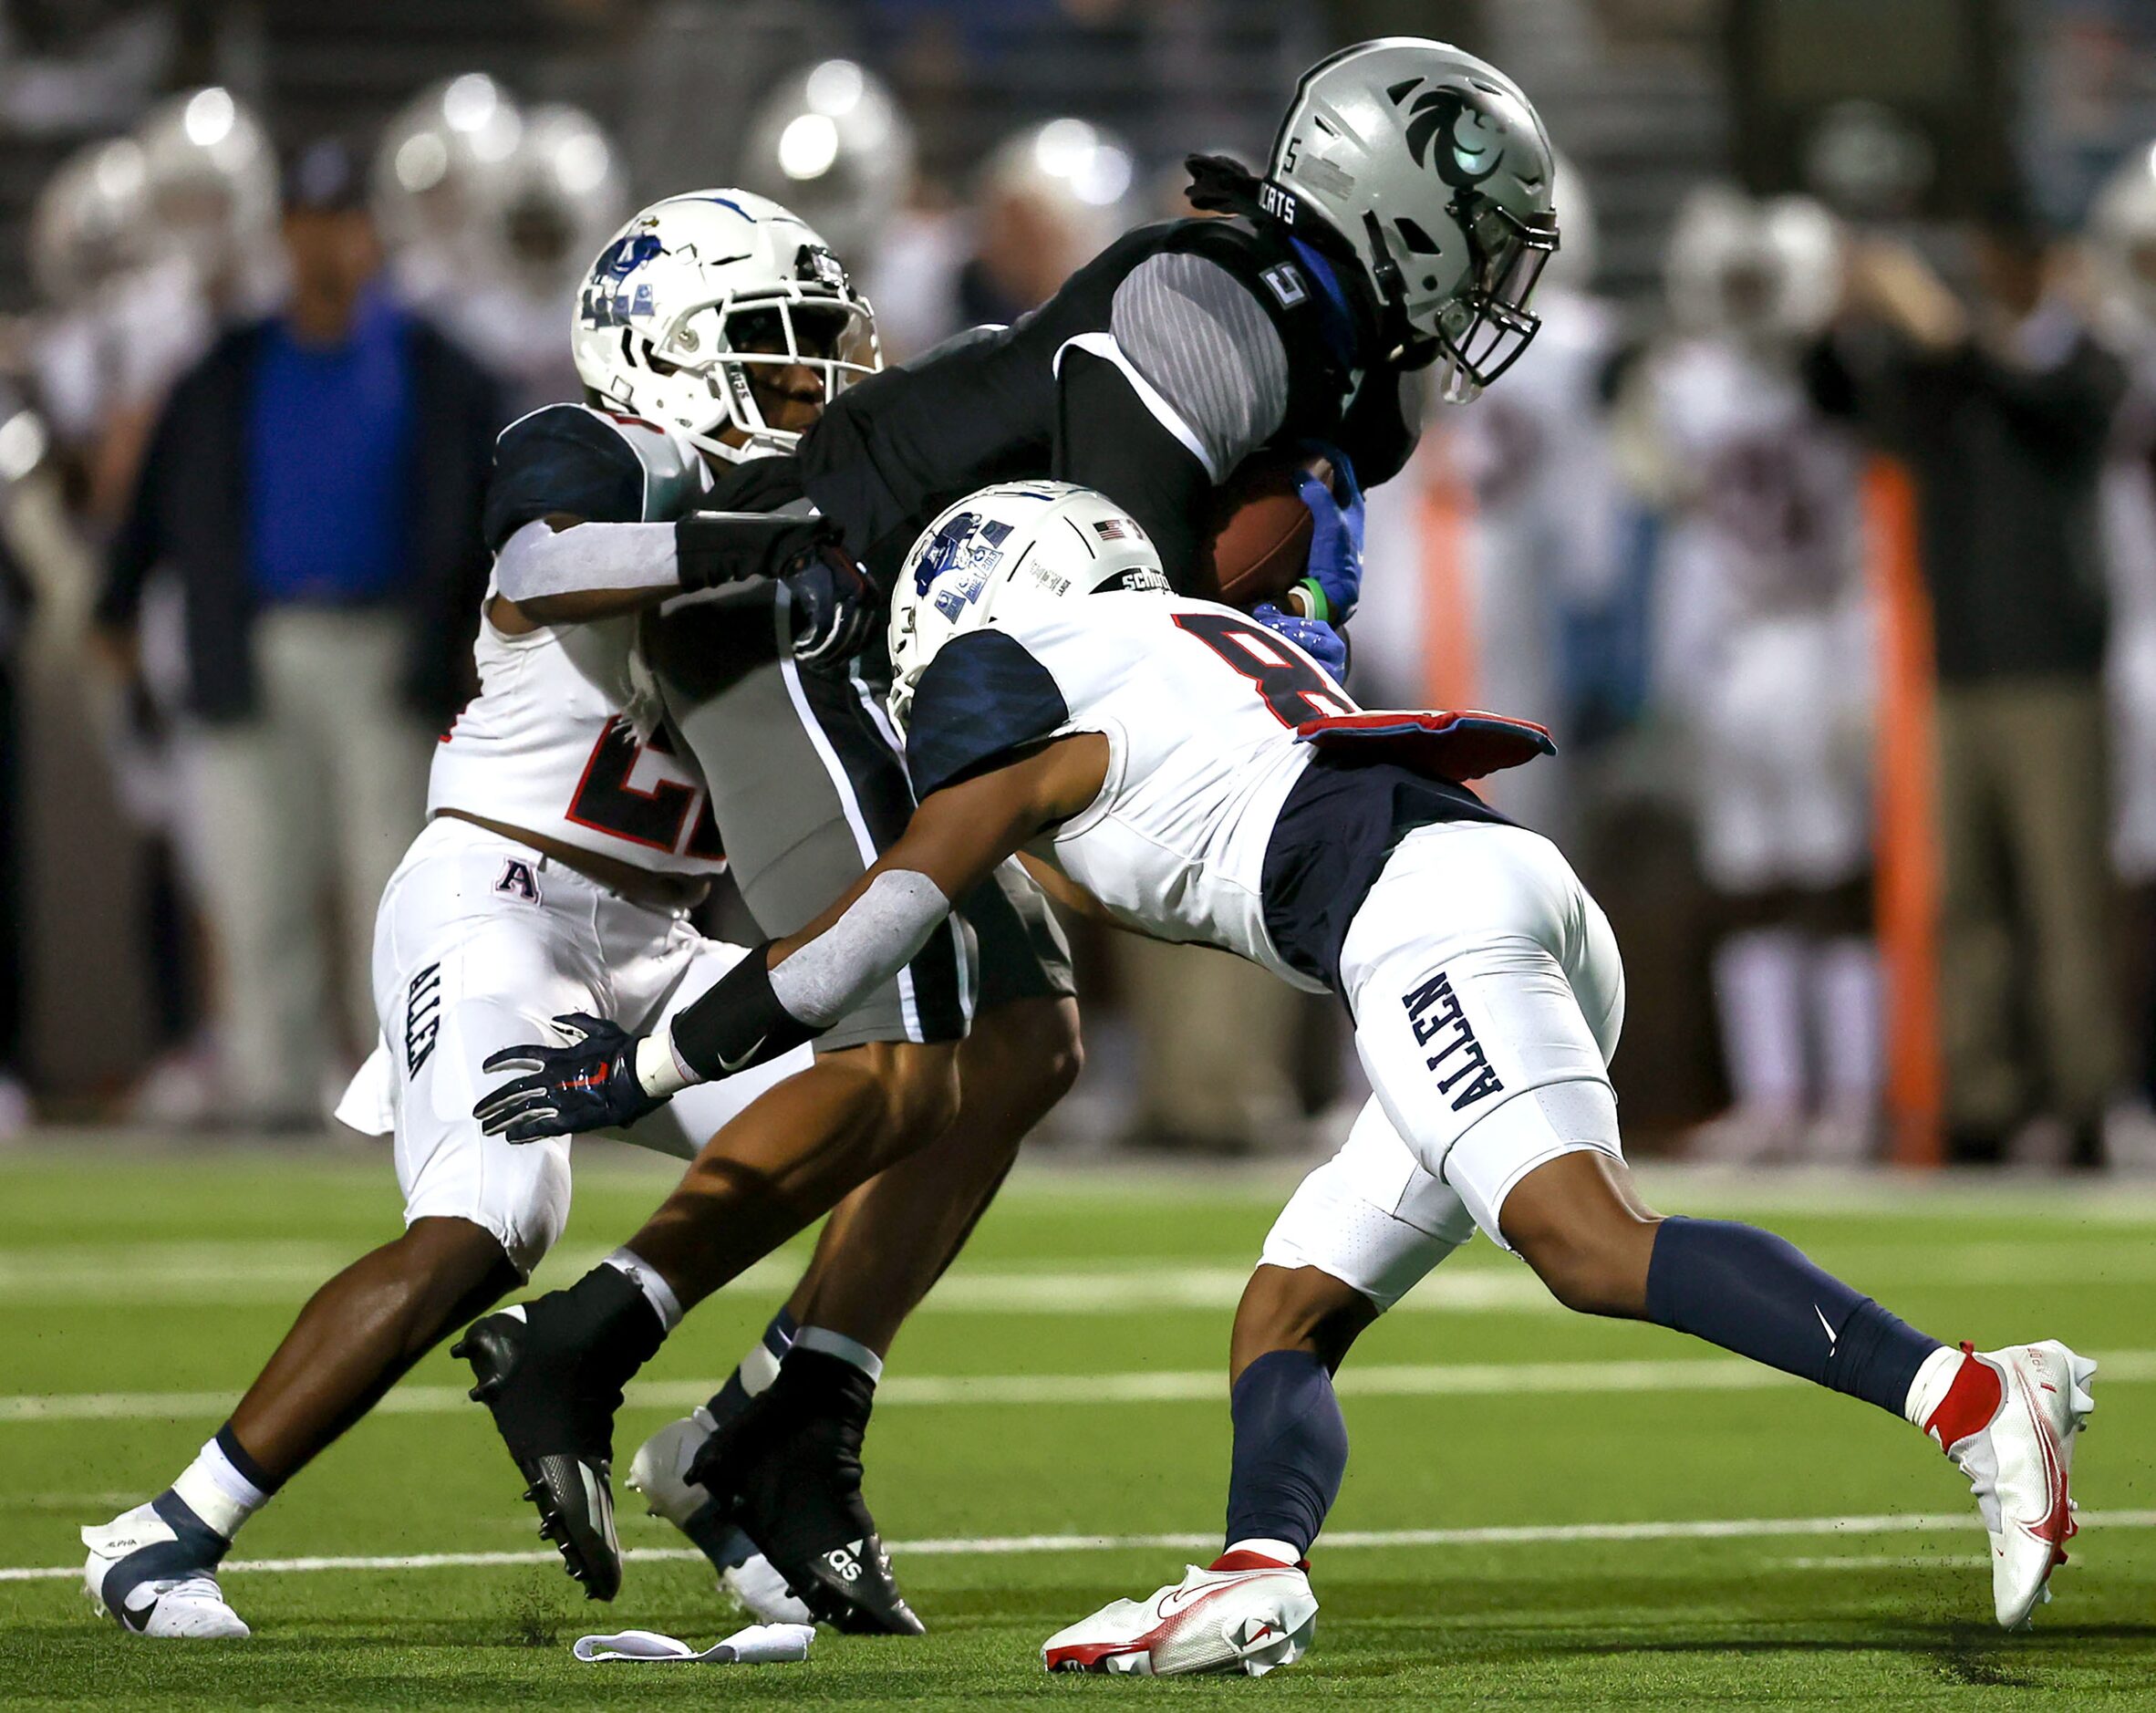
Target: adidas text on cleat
column 788, row 1470
column 561, row 1440
column 1242, row 1613
column 659, row 1471
column 2019, row 1460
column 153, row 1569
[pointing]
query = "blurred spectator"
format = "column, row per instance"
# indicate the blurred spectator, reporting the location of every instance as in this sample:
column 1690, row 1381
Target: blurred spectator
column 1050, row 199
column 2003, row 411
column 1765, row 651
column 314, row 483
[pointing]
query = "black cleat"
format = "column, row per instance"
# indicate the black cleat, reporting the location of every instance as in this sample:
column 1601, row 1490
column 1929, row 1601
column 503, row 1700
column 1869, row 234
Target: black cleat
column 788, row 1472
column 559, row 1424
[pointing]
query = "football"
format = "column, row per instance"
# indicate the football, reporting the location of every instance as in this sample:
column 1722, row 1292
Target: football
column 1258, row 546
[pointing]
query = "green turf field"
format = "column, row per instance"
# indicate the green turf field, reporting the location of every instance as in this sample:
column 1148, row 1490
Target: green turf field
column 1541, row 1511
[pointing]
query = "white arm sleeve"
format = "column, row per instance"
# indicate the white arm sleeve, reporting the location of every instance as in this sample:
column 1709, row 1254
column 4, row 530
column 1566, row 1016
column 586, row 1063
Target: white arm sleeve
column 541, row 560
column 876, row 938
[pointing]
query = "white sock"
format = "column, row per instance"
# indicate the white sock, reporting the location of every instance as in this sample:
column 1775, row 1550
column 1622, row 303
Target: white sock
column 1932, row 1382
column 217, row 1492
column 1279, row 1552
column 657, row 1291
column 1759, row 997
column 846, row 1349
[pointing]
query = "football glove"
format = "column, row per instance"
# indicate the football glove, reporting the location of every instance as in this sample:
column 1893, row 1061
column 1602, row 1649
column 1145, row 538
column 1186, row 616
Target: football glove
column 1336, row 537
column 589, row 1084
column 835, row 608
column 1314, row 637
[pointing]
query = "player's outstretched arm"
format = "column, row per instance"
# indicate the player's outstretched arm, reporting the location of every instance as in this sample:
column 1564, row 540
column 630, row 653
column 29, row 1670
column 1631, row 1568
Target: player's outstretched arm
column 790, row 990
column 559, row 570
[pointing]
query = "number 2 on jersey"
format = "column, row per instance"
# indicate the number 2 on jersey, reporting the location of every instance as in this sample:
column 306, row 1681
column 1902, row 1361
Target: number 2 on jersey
column 608, row 802
column 1292, row 688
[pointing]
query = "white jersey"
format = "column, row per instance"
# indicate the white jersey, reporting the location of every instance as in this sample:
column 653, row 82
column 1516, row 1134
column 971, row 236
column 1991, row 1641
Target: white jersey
column 1200, row 705
column 557, row 742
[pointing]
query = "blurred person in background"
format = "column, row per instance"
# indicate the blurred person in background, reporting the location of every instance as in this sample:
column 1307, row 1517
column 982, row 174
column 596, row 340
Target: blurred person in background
column 313, row 485
column 1546, row 530
column 2123, row 248
column 1765, row 654
column 142, row 246
column 2002, row 405
column 1049, row 199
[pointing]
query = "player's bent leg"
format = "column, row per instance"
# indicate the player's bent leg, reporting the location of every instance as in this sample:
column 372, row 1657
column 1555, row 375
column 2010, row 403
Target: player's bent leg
column 552, row 1370
column 1358, row 1234
column 880, row 1251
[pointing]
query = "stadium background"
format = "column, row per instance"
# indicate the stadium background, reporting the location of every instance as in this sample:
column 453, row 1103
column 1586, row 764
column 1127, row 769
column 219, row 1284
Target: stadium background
column 1543, row 1512
column 1021, row 135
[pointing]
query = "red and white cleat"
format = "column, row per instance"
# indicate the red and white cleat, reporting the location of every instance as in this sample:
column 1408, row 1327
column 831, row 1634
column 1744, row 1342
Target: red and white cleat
column 1243, row 1612
column 2017, row 1461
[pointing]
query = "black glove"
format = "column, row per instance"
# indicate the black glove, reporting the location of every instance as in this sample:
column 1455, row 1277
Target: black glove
column 586, row 1086
column 835, row 608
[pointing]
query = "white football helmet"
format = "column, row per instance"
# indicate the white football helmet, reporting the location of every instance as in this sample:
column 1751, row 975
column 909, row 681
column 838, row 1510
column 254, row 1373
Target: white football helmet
column 831, row 142
column 1758, row 270
column 211, row 178
column 441, row 169
column 695, row 290
column 2123, row 226
column 1016, row 543
column 89, row 221
column 562, row 194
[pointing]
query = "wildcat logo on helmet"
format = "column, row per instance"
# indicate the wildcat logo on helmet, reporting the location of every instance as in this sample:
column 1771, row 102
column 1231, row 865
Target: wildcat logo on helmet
column 1437, row 114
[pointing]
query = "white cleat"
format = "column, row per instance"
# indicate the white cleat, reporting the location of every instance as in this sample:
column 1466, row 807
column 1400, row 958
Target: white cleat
column 2017, row 1466
column 1245, row 1613
column 659, row 1471
column 139, row 1574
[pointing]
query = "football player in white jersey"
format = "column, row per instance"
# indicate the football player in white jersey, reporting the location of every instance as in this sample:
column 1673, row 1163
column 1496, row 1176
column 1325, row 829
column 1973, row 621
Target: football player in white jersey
column 567, row 842
column 1199, row 778
column 1766, row 654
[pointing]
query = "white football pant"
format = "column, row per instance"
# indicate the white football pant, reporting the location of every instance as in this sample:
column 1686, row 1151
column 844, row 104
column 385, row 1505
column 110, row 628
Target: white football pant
column 480, row 943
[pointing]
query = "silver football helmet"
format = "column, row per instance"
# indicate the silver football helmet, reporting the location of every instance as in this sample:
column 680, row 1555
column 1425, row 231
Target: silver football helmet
column 211, row 179
column 1433, row 169
column 89, row 221
column 2122, row 229
column 830, row 142
column 696, row 291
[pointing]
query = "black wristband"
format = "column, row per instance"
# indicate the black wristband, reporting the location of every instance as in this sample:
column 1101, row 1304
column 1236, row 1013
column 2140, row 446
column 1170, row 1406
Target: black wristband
column 740, row 1023
column 715, row 547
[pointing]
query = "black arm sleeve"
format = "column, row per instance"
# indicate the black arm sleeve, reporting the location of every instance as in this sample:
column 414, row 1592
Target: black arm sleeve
column 740, row 1023
column 1106, row 439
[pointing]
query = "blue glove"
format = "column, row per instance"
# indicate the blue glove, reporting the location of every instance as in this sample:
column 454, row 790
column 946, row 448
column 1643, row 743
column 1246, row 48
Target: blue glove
column 586, row 1085
column 1314, row 637
column 835, row 608
column 1336, row 539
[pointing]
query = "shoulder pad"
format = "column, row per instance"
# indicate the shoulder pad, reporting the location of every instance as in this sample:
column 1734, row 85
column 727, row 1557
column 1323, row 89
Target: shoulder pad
column 982, row 698
column 592, row 464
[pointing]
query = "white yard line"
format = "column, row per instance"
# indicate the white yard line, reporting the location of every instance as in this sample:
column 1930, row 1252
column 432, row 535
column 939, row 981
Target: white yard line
column 1167, row 1385
column 1530, row 1534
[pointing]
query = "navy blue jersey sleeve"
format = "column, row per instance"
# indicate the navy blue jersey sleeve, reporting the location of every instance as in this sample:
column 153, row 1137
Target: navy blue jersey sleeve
column 982, row 699
column 561, row 458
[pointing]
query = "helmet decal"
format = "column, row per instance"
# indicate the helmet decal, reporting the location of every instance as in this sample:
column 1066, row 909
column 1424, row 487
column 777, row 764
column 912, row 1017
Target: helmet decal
column 968, row 543
column 1437, row 115
column 629, row 253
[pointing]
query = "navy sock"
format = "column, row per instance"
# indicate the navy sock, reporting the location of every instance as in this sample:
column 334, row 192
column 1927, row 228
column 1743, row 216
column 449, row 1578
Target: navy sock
column 1753, row 1292
column 731, row 1398
column 1291, row 1450
column 239, row 1458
